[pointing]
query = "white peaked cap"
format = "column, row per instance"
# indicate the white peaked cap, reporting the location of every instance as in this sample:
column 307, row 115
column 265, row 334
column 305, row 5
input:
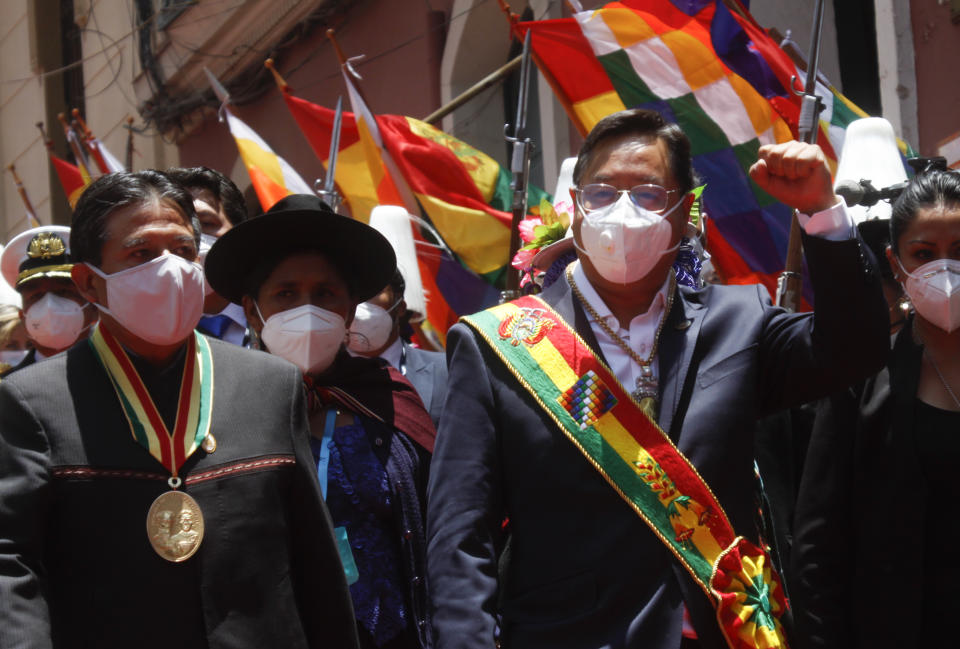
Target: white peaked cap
column 870, row 153
column 7, row 293
column 394, row 223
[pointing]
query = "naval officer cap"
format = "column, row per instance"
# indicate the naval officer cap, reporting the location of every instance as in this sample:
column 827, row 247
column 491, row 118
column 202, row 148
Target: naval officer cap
column 37, row 253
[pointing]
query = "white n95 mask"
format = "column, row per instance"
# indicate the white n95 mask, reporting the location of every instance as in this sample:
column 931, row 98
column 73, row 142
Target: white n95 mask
column 307, row 336
column 934, row 290
column 54, row 322
column 623, row 241
column 371, row 327
column 160, row 301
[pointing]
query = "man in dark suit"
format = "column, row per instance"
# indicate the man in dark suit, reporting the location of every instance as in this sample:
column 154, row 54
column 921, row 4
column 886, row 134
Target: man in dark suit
column 581, row 568
column 220, row 206
column 156, row 486
column 375, row 332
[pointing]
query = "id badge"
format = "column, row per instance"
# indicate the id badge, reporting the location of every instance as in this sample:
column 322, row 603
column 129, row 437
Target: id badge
column 346, row 555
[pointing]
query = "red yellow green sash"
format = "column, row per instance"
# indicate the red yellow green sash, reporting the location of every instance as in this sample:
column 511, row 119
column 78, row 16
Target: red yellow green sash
column 641, row 463
column 195, row 405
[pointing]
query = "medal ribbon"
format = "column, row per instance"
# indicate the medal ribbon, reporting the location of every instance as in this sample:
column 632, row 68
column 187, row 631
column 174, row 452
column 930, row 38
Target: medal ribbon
column 194, row 405
column 594, row 411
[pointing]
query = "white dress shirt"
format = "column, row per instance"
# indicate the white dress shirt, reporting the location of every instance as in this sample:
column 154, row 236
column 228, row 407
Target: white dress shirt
column 834, row 224
column 237, row 329
column 394, row 354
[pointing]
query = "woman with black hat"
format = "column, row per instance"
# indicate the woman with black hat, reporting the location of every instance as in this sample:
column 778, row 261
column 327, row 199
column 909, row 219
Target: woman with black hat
column 299, row 271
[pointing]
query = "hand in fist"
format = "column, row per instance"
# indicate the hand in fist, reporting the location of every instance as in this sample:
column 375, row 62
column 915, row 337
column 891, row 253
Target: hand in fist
column 797, row 174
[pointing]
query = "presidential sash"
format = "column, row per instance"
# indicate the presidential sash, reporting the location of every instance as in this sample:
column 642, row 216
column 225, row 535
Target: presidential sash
column 585, row 399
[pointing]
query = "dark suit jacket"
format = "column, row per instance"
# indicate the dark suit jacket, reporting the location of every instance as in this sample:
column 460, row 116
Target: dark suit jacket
column 427, row 371
column 584, row 570
column 76, row 567
column 862, row 517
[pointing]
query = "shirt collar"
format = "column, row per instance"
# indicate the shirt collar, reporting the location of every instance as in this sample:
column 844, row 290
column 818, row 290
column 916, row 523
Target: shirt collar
column 593, row 298
column 393, row 353
column 235, row 313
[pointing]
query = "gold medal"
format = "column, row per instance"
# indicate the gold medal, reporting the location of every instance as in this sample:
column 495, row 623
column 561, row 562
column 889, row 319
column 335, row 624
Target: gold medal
column 209, row 443
column 175, row 526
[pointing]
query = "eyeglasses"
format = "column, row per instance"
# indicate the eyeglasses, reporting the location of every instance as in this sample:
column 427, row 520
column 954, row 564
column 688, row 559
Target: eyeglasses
column 597, row 196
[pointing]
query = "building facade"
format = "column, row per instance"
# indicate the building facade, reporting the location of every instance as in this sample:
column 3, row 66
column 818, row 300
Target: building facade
column 145, row 59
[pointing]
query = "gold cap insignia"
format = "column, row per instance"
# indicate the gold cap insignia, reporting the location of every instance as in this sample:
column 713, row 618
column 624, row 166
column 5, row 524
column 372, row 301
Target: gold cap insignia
column 45, row 246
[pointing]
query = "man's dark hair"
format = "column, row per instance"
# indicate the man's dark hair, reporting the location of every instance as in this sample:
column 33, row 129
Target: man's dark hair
column 640, row 122
column 222, row 188
column 88, row 231
column 397, row 284
column 927, row 189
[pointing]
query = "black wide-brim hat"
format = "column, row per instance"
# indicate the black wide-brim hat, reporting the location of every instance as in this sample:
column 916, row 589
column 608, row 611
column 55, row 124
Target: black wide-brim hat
column 300, row 223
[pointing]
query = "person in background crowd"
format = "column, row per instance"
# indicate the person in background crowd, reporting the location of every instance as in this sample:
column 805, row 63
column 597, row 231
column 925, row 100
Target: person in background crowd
column 300, row 271
column 603, row 432
column 220, row 206
column 874, row 528
column 375, row 333
column 37, row 264
column 876, row 234
column 156, row 486
column 14, row 342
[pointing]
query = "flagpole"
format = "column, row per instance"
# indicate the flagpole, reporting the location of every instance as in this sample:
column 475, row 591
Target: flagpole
column 31, row 213
column 389, row 165
column 129, row 153
column 87, row 139
column 279, row 80
column 74, row 146
column 790, row 282
column 474, row 90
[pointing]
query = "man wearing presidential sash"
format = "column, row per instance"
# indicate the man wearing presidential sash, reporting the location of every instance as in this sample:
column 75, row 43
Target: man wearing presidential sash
column 156, row 486
column 592, row 484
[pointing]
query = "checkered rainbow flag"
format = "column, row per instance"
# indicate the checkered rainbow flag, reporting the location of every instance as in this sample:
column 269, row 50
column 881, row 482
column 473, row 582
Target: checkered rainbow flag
column 717, row 75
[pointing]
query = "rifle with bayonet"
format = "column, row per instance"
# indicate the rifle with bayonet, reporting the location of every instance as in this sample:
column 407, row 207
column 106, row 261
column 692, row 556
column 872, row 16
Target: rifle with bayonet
column 789, row 283
column 327, row 189
column 520, row 168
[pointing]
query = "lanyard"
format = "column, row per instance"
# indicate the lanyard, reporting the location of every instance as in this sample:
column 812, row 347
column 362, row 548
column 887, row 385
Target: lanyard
column 324, row 461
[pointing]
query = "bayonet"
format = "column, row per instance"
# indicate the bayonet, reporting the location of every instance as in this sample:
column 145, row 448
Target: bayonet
column 520, row 168
column 328, row 192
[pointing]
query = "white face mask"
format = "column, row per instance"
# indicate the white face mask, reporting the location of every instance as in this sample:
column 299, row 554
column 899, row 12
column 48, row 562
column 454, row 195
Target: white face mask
column 624, row 242
column 54, row 322
column 371, row 327
column 934, row 290
column 160, row 301
column 12, row 357
column 307, row 336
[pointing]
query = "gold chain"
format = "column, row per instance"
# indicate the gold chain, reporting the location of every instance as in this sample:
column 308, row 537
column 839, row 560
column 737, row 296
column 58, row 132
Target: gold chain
column 610, row 332
column 926, row 352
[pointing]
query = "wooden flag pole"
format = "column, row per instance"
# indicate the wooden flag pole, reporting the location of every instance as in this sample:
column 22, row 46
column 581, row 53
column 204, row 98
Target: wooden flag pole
column 474, row 90
column 129, row 155
column 74, row 146
column 31, row 213
column 280, row 81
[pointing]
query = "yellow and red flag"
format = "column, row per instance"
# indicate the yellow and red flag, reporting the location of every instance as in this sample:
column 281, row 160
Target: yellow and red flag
column 71, row 178
column 273, row 178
